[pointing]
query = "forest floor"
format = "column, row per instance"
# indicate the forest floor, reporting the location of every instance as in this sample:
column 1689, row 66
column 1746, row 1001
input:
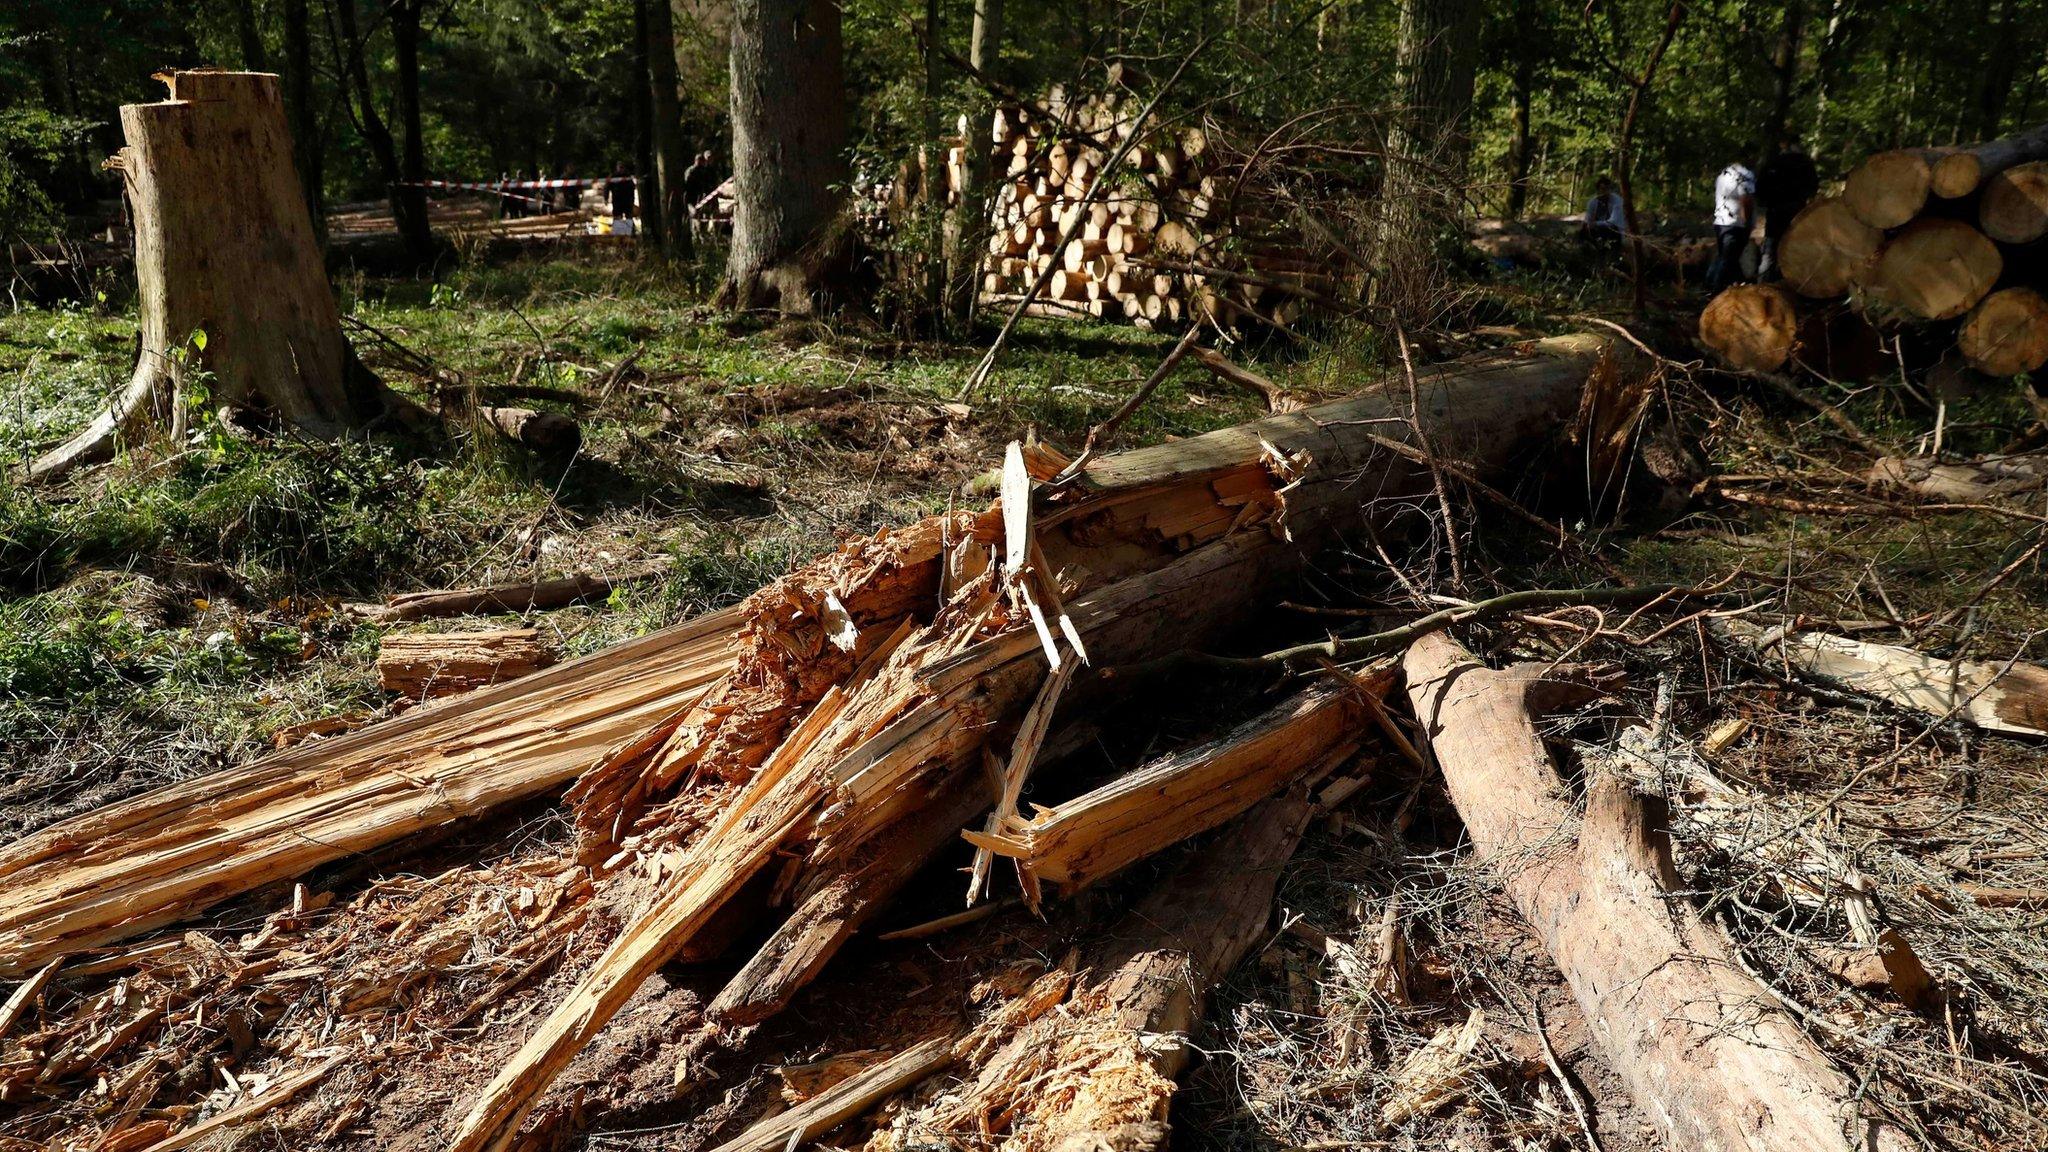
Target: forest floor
column 169, row 615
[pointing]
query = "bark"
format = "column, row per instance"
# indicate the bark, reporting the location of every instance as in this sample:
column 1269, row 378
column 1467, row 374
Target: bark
column 224, row 248
column 171, row 853
column 1169, row 545
column 1436, row 55
column 1521, row 145
column 307, row 145
column 789, row 143
column 1711, row 1060
column 665, row 132
column 1785, row 58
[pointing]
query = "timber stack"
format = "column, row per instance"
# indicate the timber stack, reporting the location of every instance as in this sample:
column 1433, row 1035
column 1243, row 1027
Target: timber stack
column 1937, row 245
column 1174, row 235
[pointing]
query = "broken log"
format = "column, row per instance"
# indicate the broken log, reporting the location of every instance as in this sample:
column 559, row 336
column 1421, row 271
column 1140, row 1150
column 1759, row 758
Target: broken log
column 845, row 1100
column 2010, row 698
column 1099, row 1073
column 1751, row 326
column 426, row 665
column 548, row 433
column 173, row 852
column 1082, row 840
column 1971, row 482
column 1701, row 1047
column 851, row 704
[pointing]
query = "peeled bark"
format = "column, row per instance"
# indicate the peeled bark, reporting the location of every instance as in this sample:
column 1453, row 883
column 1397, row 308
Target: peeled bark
column 1702, row 1049
column 229, row 274
column 1827, row 249
column 1751, row 326
column 2007, row 333
column 788, row 143
column 1934, row 269
column 2014, row 209
column 1963, row 170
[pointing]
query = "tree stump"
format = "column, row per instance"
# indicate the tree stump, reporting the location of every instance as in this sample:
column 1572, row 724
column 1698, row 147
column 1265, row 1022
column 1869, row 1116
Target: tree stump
column 229, row 276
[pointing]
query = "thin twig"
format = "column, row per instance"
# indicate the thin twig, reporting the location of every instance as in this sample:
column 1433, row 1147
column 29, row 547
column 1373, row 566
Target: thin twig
column 1099, row 435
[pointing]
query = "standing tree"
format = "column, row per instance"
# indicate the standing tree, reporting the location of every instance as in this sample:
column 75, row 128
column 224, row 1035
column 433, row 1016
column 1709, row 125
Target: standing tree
column 402, row 170
column 298, row 105
column 231, row 289
column 788, row 151
column 1430, row 141
column 665, row 130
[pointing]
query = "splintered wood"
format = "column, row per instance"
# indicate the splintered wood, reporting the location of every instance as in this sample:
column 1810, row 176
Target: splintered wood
column 868, row 682
column 2011, row 697
column 168, row 854
column 427, row 665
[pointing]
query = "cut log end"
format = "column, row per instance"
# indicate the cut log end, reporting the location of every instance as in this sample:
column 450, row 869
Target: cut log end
column 1827, row 249
column 1751, row 326
column 2007, row 333
column 1935, row 269
column 1890, row 188
column 2014, row 209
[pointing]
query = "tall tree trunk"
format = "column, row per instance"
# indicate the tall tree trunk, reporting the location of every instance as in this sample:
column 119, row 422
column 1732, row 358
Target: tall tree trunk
column 412, row 163
column 249, row 37
column 1439, row 42
column 408, row 205
column 298, row 105
column 970, row 219
column 665, row 129
column 789, row 141
column 1784, row 75
column 1521, row 145
column 2000, row 66
column 647, row 185
column 1624, row 149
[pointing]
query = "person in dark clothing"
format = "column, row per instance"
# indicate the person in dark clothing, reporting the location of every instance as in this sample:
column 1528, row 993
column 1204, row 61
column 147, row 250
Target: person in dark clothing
column 572, row 192
column 1783, row 186
column 620, row 190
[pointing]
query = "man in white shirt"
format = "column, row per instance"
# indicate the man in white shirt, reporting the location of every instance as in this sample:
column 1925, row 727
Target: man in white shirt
column 1604, row 221
column 1734, row 208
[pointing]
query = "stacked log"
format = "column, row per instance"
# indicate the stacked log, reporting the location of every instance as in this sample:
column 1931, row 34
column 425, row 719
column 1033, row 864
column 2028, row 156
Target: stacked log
column 1150, row 248
column 1929, row 241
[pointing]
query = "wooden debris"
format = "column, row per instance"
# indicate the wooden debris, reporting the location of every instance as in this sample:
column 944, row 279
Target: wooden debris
column 845, row 1100
column 1970, row 482
column 1187, row 793
column 426, row 665
column 511, row 597
column 1434, row 1074
column 549, row 433
column 170, row 853
column 1700, row 1045
column 2010, row 698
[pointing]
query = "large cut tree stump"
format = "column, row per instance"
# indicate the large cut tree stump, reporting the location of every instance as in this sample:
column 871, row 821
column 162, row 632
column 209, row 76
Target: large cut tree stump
column 224, row 246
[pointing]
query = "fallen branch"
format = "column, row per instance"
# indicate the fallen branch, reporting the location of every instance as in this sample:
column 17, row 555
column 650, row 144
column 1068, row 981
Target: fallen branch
column 514, row 597
column 845, row 1100
column 1694, row 1039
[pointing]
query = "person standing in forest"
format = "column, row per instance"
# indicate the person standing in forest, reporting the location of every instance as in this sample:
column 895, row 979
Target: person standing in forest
column 621, row 193
column 1734, row 209
column 1783, row 186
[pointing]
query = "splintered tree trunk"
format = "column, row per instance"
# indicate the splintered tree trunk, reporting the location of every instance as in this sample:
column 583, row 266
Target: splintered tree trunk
column 788, row 150
column 224, row 247
column 665, row 130
column 1709, row 1058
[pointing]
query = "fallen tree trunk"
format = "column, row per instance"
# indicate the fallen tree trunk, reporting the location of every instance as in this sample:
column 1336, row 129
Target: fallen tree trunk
column 229, row 276
column 851, row 704
column 1961, row 171
column 2010, row 698
column 1934, row 269
column 2014, row 208
column 2007, row 333
column 1699, row 1044
column 1827, row 249
column 1099, row 1073
column 173, row 852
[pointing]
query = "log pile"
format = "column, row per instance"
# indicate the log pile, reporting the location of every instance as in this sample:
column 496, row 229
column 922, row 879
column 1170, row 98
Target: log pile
column 1174, row 237
column 1934, row 243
